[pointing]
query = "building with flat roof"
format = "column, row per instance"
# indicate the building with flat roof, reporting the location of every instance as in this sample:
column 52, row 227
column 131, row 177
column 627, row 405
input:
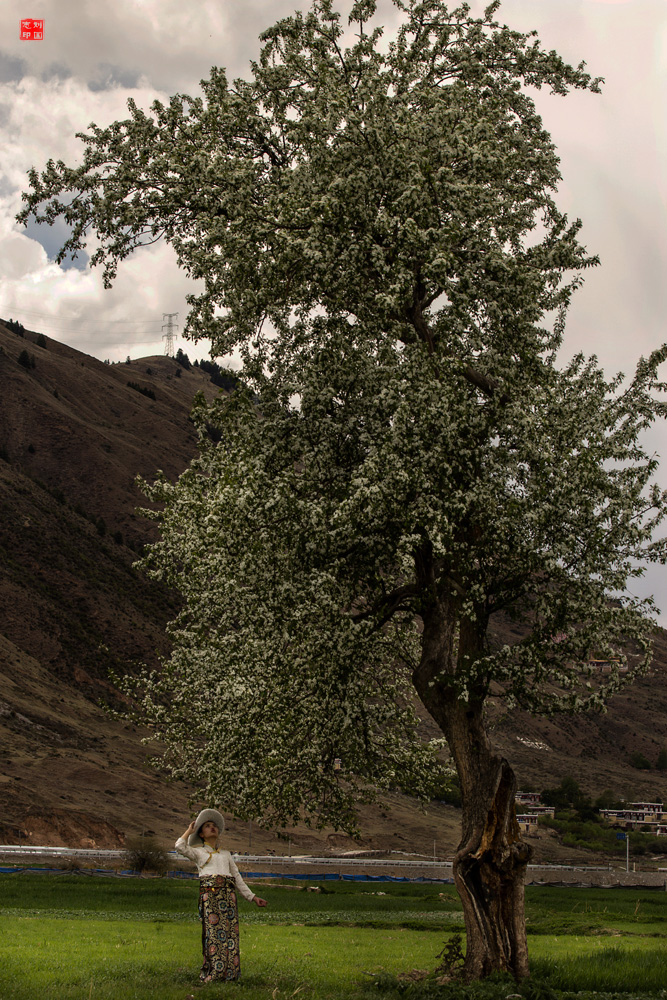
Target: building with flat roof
column 636, row 815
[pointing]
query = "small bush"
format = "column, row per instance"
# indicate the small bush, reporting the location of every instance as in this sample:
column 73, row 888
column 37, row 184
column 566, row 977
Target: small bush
column 607, row 800
column 449, row 791
column 143, row 389
column 661, row 762
column 224, row 378
column 569, row 799
column 41, row 340
column 638, row 760
column 15, row 326
column 452, row 958
column 144, row 854
column 26, row 360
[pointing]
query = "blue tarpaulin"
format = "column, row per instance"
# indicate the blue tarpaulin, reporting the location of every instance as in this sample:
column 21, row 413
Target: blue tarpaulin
column 320, row 877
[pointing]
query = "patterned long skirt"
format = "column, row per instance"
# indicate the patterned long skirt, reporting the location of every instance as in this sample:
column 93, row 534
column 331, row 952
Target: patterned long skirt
column 219, row 915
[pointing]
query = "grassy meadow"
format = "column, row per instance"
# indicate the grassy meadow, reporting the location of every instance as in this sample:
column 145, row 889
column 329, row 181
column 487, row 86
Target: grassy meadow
column 70, row 937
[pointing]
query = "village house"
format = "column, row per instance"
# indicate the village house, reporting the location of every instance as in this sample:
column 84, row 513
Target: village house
column 608, row 666
column 636, row 815
column 527, row 798
column 528, row 820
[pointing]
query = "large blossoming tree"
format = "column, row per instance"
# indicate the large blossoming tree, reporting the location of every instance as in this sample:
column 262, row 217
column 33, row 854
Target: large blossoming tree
column 377, row 234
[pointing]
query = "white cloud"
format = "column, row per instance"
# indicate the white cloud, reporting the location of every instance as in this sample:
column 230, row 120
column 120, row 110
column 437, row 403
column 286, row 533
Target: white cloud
column 613, row 149
column 38, row 122
column 613, row 164
column 170, row 42
column 72, row 305
column 20, row 257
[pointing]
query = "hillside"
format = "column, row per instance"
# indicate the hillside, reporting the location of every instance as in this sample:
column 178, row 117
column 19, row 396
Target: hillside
column 73, row 437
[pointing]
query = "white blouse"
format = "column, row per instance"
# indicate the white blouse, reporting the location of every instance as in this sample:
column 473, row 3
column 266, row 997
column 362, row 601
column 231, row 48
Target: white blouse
column 210, row 862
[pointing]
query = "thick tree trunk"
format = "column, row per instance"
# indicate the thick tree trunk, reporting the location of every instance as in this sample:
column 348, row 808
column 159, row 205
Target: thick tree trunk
column 490, row 864
column 489, row 872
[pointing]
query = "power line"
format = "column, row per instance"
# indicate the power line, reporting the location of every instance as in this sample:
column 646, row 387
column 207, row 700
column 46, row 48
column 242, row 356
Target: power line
column 72, row 322
column 62, row 325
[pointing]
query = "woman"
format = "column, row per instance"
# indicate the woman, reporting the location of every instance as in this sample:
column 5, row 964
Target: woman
column 219, row 878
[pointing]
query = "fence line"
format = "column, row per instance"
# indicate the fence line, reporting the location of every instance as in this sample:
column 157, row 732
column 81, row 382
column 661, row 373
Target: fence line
column 19, row 850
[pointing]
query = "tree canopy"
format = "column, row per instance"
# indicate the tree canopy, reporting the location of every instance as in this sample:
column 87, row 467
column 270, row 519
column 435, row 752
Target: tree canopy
column 408, row 465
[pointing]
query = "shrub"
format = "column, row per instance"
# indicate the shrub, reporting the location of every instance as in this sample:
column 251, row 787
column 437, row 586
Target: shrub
column 661, row 762
column 27, row 360
column 41, row 340
column 15, row 326
column 569, row 796
column 143, row 389
column 600, row 836
column 222, row 377
column 144, row 854
column 638, row 760
column 452, row 958
column 450, row 792
column 607, row 800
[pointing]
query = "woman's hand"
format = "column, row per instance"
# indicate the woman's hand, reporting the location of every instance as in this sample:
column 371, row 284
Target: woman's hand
column 190, row 830
column 260, row 902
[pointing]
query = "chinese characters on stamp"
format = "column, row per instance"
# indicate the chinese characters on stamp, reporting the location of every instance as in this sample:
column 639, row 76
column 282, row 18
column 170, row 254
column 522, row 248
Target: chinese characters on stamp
column 32, row 30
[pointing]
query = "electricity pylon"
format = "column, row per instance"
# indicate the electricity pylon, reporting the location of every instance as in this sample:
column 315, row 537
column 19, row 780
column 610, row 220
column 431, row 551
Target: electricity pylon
column 168, row 337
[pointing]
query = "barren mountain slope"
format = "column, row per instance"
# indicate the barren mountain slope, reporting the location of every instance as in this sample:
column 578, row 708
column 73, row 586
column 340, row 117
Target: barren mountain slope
column 73, row 437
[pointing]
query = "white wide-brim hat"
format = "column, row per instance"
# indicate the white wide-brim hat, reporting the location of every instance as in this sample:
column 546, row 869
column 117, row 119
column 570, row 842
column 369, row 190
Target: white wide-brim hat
column 194, row 840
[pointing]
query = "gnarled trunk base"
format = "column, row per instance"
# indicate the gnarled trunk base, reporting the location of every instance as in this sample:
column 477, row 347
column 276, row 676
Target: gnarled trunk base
column 490, row 865
column 489, row 872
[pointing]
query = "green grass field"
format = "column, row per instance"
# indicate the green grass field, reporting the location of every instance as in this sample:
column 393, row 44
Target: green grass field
column 70, row 937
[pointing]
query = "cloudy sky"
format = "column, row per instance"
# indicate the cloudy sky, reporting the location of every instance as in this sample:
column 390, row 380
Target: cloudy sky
column 93, row 57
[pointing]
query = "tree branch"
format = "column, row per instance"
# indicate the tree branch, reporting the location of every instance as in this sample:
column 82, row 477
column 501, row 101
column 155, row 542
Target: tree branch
column 489, row 386
column 389, row 604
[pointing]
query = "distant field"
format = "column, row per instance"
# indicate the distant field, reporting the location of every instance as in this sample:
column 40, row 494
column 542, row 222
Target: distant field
column 85, row 938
